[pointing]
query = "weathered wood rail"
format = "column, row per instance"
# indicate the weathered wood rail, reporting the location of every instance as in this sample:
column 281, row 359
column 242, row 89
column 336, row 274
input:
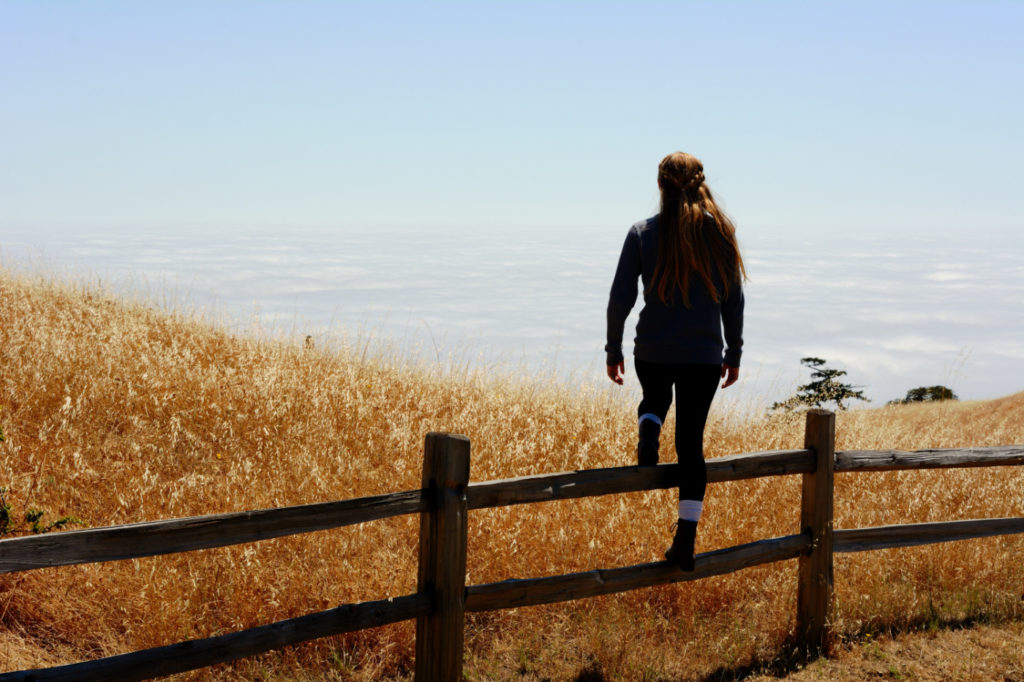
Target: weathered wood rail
column 442, row 597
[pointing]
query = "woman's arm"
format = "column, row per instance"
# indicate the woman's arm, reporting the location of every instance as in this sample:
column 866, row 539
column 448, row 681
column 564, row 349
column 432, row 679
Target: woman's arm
column 622, row 298
column 732, row 324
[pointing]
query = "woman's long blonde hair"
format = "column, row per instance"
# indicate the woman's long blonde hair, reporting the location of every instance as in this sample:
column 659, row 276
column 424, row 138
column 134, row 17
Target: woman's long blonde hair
column 694, row 236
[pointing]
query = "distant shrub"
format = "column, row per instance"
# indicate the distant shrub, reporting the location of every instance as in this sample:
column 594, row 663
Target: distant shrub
column 926, row 394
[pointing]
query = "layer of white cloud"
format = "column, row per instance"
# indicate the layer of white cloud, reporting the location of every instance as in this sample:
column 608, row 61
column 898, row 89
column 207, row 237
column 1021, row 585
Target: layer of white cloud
column 893, row 316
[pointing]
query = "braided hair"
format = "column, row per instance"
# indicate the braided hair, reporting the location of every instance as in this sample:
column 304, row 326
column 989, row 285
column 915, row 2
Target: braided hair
column 695, row 237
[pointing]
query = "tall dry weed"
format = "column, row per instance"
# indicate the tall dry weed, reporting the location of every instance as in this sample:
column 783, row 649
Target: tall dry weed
column 116, row 412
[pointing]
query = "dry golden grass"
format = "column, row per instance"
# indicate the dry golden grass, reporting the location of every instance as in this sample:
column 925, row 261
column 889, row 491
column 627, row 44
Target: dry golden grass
column 116, row 412
column 978, row 654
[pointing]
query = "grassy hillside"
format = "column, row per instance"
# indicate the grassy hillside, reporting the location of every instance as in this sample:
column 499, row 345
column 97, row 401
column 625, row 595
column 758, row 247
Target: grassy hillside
column 115, row 412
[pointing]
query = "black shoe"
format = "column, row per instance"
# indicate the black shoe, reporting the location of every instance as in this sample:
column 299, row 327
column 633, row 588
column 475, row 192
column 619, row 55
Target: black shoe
column 681, row 551
column 647, row 447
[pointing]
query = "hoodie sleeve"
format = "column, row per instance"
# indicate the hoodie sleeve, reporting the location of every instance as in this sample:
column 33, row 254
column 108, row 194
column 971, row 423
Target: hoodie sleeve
column 732, row 323
column 622, row 296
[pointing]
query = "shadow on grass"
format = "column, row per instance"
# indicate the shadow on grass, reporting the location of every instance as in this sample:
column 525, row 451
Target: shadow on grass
column 792, row 657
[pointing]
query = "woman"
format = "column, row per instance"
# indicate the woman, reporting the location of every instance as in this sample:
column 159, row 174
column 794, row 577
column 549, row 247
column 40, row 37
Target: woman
column 692, row 272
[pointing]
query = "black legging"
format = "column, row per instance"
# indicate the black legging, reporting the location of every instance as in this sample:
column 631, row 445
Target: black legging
column 695, row 387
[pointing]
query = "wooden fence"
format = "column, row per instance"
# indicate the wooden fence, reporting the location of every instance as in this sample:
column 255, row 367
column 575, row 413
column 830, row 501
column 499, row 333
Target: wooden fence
column 442, row 597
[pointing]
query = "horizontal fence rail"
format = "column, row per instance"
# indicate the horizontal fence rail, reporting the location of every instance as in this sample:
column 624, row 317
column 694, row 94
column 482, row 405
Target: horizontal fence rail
column 945, row 458
column 913, row 534
column 151, row 538
column 199, row 653
column 509, row 594
column 442, row 597
column 592, row 482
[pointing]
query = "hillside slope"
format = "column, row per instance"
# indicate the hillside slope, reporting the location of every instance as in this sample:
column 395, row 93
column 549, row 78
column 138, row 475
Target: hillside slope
column 116, row 412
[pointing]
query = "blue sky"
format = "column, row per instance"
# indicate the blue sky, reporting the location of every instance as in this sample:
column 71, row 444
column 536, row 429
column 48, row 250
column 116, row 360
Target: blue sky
column 473, row 167
column 809, row 116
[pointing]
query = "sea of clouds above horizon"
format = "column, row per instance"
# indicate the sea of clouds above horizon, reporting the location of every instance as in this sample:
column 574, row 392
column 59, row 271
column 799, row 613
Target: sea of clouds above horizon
column 894, row 312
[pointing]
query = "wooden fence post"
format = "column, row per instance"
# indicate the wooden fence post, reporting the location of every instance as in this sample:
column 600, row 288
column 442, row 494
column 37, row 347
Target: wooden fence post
column 814, row 599
column 442, row 569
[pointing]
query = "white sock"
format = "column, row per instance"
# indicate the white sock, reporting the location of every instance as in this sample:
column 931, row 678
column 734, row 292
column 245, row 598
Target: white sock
column 689, row 510
column 650, row 415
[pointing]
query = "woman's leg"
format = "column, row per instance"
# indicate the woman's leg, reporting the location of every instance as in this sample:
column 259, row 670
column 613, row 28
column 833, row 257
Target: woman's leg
column 656, row 382
column 695, row 388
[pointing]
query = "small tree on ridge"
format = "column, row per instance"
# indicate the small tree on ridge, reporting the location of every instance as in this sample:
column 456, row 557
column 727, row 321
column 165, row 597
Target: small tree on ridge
column 823, row 388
